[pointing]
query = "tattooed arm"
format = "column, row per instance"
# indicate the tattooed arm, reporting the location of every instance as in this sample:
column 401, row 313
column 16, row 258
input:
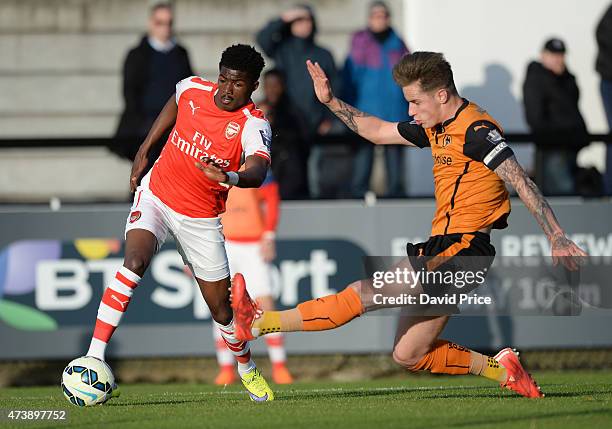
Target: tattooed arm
column 367, row 126
column 561, row 247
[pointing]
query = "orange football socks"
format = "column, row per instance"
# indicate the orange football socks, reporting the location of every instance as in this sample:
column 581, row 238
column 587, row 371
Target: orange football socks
column 318, row 314
column 445, row 358
column 451, row 358
column 331, row 311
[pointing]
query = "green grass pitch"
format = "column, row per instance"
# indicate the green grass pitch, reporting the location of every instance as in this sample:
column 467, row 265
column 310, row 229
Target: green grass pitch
column 573, row 400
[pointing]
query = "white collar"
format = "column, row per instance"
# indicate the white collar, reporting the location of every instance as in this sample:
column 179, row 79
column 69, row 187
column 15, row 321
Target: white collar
column 161, row 46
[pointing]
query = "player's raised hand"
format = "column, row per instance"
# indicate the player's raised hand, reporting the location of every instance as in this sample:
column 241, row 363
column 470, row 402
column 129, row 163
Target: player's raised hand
column 567, row 252
column 211, row 171
column 321, row 83
column 294, row 13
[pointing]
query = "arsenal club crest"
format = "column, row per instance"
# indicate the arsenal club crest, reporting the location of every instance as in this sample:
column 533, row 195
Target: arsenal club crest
column 135, row 215
column 232, row 130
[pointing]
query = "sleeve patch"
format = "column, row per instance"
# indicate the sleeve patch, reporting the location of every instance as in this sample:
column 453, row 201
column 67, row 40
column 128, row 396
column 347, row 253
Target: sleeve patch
column 494, row 136
column 266, row 138
column 485, row 143
column 257, row 138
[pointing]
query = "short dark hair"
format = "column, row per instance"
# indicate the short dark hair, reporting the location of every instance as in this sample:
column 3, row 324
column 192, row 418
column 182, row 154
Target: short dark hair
column 381, row 4
column 430, row 69
column 243, row 58
column 158, row 6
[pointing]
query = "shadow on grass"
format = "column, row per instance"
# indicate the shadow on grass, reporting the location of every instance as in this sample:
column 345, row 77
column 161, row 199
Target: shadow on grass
column 511, row 395
column 575, row 394
column 449, row 392
column 363, row 393
column 523, row 417
column 171, row 401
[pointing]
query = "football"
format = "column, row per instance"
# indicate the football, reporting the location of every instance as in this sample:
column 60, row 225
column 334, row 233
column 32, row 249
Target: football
column 87, row 381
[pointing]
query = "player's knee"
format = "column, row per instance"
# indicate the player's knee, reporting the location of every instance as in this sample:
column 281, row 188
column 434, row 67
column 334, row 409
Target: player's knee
column 137, row 264
column 408, row 359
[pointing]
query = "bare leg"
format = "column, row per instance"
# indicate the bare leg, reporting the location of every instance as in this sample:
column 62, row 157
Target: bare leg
column 415, row 337
column 216, row 294
column 140, row 247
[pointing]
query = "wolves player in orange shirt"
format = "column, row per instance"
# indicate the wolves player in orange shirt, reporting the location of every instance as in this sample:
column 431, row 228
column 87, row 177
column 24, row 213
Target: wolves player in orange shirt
column 249, row 225
column 472, row 164
column 215, row 126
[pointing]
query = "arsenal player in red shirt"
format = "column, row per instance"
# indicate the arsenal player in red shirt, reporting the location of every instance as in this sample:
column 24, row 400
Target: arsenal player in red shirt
column 214, row 126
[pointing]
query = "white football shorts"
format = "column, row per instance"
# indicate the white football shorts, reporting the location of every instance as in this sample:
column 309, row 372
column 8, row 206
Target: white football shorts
column 245, row 258
column 200, row 241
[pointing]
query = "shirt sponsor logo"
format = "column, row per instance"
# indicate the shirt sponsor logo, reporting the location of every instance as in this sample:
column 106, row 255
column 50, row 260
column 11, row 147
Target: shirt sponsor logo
column 232, row 130
column 442, row 159
column 198, row 147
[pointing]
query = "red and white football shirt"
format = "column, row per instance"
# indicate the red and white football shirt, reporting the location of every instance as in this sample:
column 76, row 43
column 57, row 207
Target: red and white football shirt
column 202, row 129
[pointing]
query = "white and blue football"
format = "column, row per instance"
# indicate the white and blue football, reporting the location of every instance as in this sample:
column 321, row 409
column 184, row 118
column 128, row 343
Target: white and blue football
column 87, row 381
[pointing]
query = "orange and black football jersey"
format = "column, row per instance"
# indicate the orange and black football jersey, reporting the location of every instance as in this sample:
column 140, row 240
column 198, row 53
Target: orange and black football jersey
column 465, row 150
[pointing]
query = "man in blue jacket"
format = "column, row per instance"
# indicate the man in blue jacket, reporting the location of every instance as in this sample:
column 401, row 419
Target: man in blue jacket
column 369, row 86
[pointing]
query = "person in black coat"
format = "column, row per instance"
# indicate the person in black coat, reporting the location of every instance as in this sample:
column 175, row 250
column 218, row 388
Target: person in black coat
column 550, row 95
column 289, row 150
column 150, row 73
column 290, row 41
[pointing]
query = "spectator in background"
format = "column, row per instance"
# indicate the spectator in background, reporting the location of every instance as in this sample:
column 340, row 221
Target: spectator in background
column 604, row 68
column 290, row 40
column 551, row 96
column 368, row 85
column 289, row 150
column 150, row 73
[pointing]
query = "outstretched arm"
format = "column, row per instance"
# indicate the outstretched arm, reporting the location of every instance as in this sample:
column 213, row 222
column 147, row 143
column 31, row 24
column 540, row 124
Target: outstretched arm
column 367, row 126
column 561, row 246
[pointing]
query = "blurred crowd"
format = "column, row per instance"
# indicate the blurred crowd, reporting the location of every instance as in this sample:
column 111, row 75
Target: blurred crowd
column 306, row 136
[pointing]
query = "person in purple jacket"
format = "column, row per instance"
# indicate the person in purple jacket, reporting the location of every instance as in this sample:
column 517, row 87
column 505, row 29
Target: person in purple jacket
column 369, row 86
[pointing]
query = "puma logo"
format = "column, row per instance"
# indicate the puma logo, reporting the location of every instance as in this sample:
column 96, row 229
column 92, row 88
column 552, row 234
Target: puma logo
column 193, row 107
column 122, row 303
